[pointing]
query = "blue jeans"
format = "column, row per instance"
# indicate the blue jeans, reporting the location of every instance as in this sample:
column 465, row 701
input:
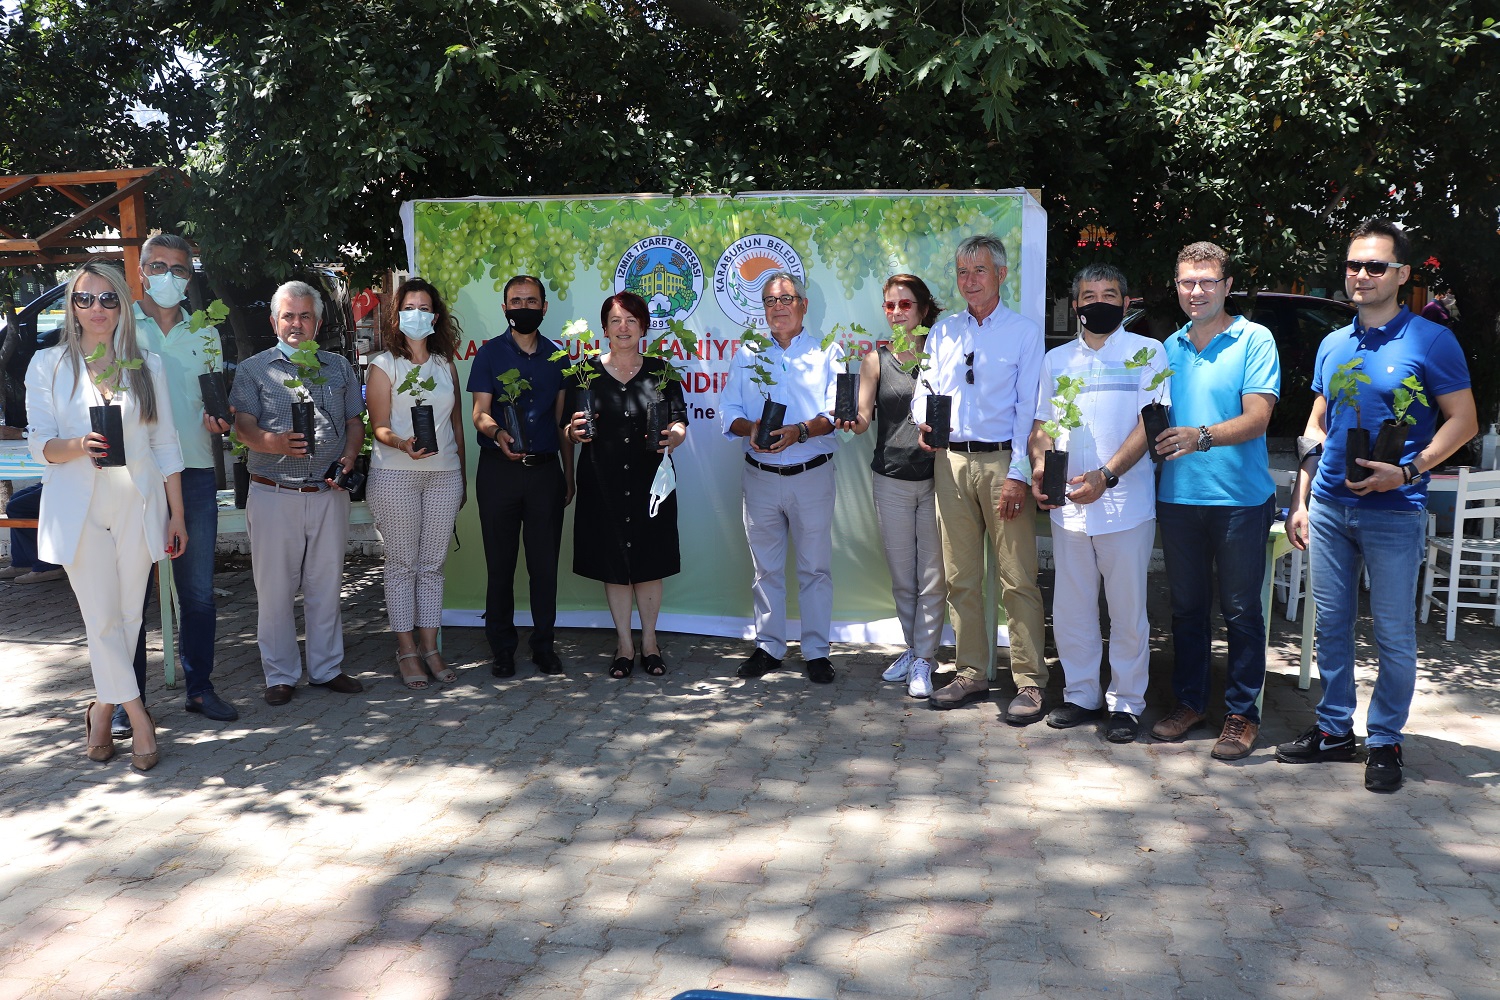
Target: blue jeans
column 1390, row 542
column 1195, row 541
column 26, row 503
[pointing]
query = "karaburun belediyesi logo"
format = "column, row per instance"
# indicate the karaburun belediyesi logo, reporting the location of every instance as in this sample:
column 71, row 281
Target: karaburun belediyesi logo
column 742, row 273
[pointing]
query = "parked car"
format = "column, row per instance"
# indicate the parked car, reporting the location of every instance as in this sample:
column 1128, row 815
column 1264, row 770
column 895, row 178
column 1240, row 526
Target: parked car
column 247, row 331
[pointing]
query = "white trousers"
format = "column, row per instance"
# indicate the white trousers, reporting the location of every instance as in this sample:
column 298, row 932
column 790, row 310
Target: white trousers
column 297, row 542
column 109, row 573
column 1121, row 559
column 906, row 513
column 799, row 508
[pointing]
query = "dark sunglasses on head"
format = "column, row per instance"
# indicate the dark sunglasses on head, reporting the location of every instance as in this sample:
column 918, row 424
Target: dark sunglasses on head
column 898, row 305
column 969, row 375
column 1374, row 268
column 85, row 300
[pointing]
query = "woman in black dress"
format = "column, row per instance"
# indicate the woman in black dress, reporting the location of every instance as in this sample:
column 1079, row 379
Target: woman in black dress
column 615, row 538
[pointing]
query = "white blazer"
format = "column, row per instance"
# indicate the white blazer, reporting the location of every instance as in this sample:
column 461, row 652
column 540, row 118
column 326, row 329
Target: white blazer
column 57, row 406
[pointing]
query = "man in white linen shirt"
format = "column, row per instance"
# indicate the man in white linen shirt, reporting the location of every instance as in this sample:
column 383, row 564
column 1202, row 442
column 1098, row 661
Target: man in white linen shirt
column 989, row 360
column 1107, row 526
column 789, row 488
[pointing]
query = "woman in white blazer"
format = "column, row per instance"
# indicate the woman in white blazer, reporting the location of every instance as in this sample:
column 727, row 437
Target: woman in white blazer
column 106, row 526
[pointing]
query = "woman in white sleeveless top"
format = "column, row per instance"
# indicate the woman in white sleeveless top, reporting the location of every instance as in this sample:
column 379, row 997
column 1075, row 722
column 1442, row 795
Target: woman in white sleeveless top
column 415, row 495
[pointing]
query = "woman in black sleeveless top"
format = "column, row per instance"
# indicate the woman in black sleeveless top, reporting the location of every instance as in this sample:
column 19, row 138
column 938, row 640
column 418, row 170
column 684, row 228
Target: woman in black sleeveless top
column 905, row 505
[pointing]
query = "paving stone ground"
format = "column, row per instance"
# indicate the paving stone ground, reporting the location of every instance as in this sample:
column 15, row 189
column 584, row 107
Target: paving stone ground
column 580, row 837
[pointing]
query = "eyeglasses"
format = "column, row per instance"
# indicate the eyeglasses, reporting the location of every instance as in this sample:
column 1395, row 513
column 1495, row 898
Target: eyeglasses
column 900, row 305
column 1374, row 268
column 159, row 267
column 969, row 375
column 785, row 300
column 1209, row 285
column 85, row 300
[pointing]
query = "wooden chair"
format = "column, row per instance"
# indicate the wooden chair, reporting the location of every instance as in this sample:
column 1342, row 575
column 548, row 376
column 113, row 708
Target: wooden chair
column 1469, row 574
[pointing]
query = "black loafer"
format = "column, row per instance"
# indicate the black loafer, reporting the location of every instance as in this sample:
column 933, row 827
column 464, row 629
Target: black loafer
column 504, row 666
column 1067, row 715
column 547, row 661
column 211, row 706
column 279, row 694
column 820, row 670
column 1123, row 727
column 119, row 724
column 759, row 664
column 342, row 683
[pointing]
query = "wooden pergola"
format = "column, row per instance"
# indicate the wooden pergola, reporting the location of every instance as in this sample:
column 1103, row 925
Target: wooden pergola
column 123, row 209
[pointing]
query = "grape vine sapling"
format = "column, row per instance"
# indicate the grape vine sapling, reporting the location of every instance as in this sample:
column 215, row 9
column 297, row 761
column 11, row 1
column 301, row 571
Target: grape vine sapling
column 1154, row 415
column 772, row 414
column 1343, row 391
column 106, row 419
column 304, row 412
column 939, row 405
column 512, row 388
column 846, row 397
column 1066, row 417
column 211, row 382
column 658, row 416
column 581, row 373
column 423, row 424
column 1390, row 442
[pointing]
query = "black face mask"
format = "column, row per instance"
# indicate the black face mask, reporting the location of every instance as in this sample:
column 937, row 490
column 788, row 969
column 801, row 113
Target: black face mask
column 524, row 320
column 1101, row 317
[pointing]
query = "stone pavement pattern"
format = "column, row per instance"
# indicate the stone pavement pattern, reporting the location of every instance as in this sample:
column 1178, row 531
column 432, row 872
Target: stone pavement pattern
column 582, row 837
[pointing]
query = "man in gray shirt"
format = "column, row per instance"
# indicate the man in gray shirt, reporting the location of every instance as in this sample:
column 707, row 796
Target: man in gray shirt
column 298, row 520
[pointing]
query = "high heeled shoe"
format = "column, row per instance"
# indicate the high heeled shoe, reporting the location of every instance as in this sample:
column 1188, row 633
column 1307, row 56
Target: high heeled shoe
column 443, row 673
column 100, row 752
column 146, row 761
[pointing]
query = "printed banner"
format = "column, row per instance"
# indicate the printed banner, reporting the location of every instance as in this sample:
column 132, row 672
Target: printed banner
column 703, row 261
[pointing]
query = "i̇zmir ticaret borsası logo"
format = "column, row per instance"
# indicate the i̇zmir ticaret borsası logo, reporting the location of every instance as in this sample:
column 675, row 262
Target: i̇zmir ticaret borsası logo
column 665, row 272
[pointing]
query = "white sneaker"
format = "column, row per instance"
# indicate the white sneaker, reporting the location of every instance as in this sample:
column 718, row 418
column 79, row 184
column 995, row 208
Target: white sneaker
column 897, row 671
column 921, row 678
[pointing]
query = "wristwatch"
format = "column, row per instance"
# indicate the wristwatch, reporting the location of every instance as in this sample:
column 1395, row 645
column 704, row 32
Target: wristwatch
column 1205, row 439
column 802, row 433
column 1110, row 479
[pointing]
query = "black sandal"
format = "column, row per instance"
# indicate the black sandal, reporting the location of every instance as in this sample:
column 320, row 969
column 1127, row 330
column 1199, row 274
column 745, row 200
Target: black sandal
column 653, row 664
column 621, row 668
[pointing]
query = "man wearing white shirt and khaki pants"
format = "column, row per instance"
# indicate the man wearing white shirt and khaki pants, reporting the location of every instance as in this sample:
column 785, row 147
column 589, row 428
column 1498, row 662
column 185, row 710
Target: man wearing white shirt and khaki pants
column 1106, row 527
column 989, row 359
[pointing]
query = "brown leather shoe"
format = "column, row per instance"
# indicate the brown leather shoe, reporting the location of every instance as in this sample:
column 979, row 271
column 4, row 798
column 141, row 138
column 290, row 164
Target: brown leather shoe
column 1025, row 707
column 342, row 683
column 961, row 691
column 1176, row 725
column 1237, row 739
column 279, row 694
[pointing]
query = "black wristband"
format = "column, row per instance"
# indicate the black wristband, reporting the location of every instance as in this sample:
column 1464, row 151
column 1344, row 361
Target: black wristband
column 1411, row 471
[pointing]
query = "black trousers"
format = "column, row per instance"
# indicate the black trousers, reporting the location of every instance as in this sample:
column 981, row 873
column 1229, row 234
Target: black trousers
column 519, row 503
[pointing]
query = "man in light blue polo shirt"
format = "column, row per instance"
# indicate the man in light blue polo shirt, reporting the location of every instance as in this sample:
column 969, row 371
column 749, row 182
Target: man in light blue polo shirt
column 161, row 325
column 789, row 488
column 1216, row 500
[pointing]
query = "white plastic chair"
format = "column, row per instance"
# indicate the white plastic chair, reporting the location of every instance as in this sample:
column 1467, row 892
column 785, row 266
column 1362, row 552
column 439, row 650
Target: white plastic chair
column 1469, row 577
column 1290, row 575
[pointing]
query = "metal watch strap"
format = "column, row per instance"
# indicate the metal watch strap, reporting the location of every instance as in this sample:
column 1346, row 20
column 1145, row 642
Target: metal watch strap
column 1205, row 439
column 803, row 432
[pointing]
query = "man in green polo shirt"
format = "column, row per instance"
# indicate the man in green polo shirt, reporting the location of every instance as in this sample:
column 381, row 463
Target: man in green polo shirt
column 161, row 325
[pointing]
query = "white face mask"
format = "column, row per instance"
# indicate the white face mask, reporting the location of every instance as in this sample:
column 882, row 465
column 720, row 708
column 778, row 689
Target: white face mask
column 663, row 485
column 166, row 290
column 416, row 323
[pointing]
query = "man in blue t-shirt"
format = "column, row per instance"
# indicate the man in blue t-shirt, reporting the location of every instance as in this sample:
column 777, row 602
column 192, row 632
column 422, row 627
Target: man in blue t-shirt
column 1216, row 499
column 1406, row 362
column 521, row 487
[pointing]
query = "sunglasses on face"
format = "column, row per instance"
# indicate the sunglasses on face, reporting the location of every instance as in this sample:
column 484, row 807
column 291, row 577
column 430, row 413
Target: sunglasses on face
column 1374, row 268
column 969, row 375
column 85, row 300
column 900, row 305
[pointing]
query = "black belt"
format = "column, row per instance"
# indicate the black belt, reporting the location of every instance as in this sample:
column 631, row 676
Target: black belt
column 282, row 486
column 972, row 446
column 529, row 461
column 790, row 470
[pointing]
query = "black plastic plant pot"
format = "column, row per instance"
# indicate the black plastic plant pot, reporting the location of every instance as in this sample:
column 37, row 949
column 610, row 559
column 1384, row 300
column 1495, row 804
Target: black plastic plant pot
column 106, row 420
column 215, row 396
column 771, row 417
column 940, row 419
column 305, row 422
column 424, row 427
column 511, row 421
column 1055, row 477
column 1356, row 445
column 1390, row 441
column 1156, row 419
column 241, row 484
column 359, row 478
column 846, row 400
column 657, row 421
column 586, row 407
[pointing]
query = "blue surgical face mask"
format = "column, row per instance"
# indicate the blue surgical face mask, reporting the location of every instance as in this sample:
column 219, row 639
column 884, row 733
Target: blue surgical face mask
column 166, row 290
column 285, row 348
column 417, row 323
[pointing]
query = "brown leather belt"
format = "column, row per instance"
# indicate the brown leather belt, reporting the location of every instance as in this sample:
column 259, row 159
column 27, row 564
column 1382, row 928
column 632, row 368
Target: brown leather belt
column 282, row 486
